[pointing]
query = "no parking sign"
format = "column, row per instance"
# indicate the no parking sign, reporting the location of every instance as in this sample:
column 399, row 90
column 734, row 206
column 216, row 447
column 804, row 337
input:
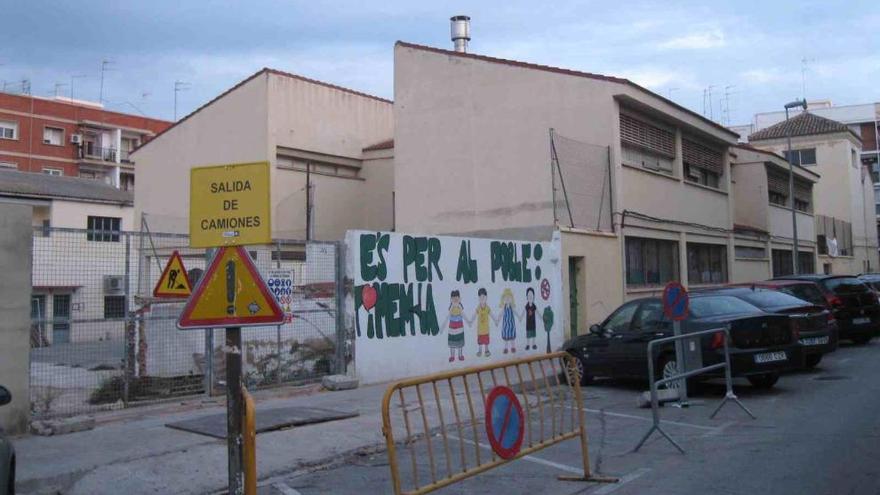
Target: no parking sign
column 504, row 422
column 675, row 301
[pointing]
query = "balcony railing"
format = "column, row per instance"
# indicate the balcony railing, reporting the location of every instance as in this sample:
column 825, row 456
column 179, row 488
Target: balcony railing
column 96, row 153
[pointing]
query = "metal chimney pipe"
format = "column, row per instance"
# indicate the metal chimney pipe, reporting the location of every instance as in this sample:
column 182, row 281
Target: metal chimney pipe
column 460, row 29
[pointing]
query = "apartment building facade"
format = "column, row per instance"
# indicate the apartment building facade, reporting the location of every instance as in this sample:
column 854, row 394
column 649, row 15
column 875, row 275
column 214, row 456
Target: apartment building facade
column 764, row 232
column 71, row 138
column 862, row 119
column 846, row 227
column 331, row 169
column 477, row 144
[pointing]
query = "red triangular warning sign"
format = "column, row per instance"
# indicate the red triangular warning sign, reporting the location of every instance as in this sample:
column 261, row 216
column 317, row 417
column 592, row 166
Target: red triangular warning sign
column 174, row 281
column 231, row 293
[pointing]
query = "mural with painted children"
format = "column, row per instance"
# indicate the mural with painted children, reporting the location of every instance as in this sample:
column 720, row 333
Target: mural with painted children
column 422, row 304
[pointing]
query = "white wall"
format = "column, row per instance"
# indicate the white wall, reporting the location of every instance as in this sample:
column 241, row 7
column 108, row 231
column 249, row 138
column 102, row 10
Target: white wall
column 423, row 348
column 232, row 129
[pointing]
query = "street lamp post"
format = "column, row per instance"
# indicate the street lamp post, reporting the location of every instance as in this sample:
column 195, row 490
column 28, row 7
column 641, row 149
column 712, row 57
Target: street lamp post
column 794, row 248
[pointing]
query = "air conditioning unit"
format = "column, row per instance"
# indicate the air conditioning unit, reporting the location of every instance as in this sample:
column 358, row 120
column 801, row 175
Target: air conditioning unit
column 76, row 138
column 114, row 284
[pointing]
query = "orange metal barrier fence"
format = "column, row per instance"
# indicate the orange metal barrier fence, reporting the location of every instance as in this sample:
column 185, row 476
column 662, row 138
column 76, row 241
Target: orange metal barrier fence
column 464, row 416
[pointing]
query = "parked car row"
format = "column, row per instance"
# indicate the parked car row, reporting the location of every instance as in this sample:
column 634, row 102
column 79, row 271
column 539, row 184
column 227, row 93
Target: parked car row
column 775, row 326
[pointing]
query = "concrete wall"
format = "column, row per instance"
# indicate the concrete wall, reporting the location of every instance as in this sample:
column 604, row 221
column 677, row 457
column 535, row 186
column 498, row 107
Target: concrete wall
column 600, row 289
column 232, row 129
column 378, row 194
column 780, row 225
column 840, row 193
column 751, row 200
column 75, row 214
column 748, row 270
column 317, row 118
column 15, row 292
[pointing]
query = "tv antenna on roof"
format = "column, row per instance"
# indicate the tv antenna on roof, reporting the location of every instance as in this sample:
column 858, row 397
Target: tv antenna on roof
column 178, row 87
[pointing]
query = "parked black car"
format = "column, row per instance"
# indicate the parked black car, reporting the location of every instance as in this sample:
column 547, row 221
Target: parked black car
column 7, row 453
column 872, row 280
column 762, row 344
column 855, row 305
column 816, row 326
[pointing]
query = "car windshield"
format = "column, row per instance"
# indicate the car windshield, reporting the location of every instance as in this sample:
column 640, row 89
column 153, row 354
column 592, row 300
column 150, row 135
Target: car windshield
column 704, row 306
column 771, row 299
column 845, row 285
column 807, row 292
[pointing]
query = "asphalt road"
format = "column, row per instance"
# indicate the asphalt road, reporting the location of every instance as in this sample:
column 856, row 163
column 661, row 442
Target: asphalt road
column 817, row 432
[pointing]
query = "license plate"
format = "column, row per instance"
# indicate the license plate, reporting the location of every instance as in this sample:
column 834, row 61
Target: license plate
column 770, row 357
column 814, row 341
column 861, row 321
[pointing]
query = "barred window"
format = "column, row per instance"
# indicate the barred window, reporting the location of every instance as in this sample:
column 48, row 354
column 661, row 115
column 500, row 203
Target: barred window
column 707, row 263
column 650, row 261
column 103, row 229
column 114, row 306
column 750, row 252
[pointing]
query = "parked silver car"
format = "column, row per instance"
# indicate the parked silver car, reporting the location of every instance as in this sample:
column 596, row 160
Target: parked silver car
column 7, row 453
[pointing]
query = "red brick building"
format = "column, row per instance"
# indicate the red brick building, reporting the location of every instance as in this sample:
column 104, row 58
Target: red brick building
column 72, row 138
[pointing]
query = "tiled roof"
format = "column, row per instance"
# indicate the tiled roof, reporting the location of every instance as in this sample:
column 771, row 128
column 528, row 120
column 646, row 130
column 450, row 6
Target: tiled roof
column 384, row 145
column 35, row 185
column 802, row 124
column 569, row 72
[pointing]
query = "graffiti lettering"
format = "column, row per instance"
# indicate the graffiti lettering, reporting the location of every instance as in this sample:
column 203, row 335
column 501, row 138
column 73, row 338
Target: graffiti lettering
column 371, row 243
column 399, row 308
column 467, row 266
column 423, row 254
column 513, row 264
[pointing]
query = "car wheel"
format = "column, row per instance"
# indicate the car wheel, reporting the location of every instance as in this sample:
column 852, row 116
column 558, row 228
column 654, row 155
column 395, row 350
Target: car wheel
column 668, row 367
column 585, row 378
column 810, row 362
column 861, row 339
column 765, row 381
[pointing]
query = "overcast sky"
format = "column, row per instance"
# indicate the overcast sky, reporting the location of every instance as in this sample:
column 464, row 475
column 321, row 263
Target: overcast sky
column 755, row 50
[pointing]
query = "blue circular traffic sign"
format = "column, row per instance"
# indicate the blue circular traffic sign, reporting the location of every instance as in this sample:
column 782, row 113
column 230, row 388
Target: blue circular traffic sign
column 675, row 301
column 504, row 422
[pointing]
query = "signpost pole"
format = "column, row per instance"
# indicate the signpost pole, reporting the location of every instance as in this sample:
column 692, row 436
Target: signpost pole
column 234, row 410
column 679, row 360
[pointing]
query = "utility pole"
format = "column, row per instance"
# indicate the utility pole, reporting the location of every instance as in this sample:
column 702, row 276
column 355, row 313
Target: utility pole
column 178, row 87
column 105, row 66
column 794, row 247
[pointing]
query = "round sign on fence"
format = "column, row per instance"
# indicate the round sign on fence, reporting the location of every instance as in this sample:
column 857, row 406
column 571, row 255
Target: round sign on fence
column 504, row 422
column 675, row 301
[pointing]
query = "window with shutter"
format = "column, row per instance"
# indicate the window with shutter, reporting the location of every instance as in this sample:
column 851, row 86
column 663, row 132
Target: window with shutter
column 803, row 195
column 640, row 134
column 702, row 164
column 777, row 187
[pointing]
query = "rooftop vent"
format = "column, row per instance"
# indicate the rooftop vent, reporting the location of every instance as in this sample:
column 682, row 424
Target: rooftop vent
column 460, row 28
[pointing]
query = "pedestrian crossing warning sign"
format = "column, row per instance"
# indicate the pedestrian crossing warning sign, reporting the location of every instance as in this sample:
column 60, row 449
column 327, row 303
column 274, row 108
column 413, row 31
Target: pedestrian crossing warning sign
column 231, row 293
column 174, row 281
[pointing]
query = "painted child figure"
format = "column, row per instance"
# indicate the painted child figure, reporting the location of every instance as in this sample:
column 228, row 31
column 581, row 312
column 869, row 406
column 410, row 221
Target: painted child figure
column 455, row 322
column 530, row 312
column 482, row 315
column 508, row 321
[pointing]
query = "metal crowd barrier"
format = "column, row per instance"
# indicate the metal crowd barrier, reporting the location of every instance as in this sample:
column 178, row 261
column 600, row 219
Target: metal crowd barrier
column 552, row 414
column 680, row 376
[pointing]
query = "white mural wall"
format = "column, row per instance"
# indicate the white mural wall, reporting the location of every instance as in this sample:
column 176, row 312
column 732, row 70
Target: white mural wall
column 423, row 304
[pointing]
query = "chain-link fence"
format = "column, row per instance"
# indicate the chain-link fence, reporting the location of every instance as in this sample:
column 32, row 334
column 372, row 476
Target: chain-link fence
column 581, row 184
column 99, row 340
